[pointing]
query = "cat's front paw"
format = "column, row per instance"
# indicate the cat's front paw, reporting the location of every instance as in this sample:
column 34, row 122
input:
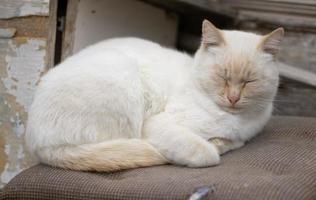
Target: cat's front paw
column 204, row 156
column 224, row 145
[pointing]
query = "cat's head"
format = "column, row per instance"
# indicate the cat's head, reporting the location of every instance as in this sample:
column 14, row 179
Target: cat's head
column 237, row 69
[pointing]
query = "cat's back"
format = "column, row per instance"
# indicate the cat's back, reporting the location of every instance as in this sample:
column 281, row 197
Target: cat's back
column 118, row 77
column 161, row 69
column 166, row 66
column 155, row 58
column 154, row 71
column 128, row 45
column 142, row 50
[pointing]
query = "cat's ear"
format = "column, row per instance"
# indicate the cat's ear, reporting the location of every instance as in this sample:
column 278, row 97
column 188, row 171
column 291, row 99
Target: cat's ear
column 211, row 35
column 271, row 42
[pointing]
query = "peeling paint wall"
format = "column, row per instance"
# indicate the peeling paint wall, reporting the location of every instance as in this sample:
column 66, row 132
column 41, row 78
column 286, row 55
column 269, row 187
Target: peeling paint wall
column 22, row 62
column 19, row 8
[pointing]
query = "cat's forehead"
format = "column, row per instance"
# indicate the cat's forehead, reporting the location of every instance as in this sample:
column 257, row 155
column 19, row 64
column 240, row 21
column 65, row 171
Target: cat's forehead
column 236, row 59
column 239, row 41
column 236, row 64
column 240, row 53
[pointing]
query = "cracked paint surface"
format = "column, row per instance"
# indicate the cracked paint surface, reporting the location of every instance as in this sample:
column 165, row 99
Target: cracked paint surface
column 24, row 69
column 22, row 62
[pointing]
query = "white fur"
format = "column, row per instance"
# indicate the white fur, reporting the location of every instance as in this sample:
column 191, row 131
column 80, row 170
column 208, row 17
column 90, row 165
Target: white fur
column 132, row 88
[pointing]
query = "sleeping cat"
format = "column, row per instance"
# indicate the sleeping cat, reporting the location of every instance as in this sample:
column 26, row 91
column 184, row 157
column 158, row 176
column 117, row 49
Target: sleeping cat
column 126, row 103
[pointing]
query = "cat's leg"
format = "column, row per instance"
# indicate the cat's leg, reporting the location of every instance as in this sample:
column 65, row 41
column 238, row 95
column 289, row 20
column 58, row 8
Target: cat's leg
column 178, row 144
column 224, row 145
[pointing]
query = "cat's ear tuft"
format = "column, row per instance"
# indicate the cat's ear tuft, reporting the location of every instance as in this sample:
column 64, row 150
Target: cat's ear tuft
column 271, row 42
column 211, row 35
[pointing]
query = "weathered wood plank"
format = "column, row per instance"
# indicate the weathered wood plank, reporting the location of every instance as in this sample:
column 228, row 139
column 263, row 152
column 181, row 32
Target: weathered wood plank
column 303, row 22
column 297, row 74
column 33, row 26
column 19, row 8
column 70, row 26
column 298, row 47
column 299, row 14
column 268, row 6
column 189, row 6
column 51, row 36
column 211, row 6
column 302, row 2
column 295, row 98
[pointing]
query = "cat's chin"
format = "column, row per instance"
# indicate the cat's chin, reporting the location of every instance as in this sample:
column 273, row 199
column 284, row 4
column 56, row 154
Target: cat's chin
column 233, row 110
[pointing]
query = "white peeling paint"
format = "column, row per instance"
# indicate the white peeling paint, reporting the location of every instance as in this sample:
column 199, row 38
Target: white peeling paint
column 7, row 104
column 18, row 126
column 7, row 32
column 21, row 154
column 38, row 6
column 24, row 69
column 23, row 61
column 19, row 8
column 7, row 148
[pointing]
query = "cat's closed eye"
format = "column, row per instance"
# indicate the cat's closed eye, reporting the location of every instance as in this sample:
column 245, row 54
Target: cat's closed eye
column 250, row 81
column 224, row 77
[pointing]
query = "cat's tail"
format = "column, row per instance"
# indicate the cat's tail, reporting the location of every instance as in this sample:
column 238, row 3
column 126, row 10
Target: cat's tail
column 107, row 156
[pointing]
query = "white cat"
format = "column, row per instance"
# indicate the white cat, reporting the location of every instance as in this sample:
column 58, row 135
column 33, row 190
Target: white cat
column 126, row 103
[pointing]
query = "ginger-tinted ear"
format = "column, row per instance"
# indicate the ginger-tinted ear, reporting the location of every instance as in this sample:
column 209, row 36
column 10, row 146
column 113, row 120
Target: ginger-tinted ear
column 211, row 35
column 271, row 42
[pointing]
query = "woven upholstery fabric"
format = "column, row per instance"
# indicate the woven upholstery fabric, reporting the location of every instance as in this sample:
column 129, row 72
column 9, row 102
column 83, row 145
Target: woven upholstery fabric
column 280, row 163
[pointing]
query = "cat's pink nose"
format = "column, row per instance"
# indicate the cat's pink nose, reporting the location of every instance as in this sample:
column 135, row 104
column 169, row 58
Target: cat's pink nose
column 233, row 99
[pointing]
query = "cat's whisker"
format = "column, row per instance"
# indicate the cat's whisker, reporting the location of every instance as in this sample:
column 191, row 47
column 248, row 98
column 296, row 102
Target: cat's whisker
column 269, row 100
column 276, row 100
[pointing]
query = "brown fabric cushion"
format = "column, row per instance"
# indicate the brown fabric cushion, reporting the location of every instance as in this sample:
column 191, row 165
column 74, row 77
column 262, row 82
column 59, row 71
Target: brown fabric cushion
column 280, row 163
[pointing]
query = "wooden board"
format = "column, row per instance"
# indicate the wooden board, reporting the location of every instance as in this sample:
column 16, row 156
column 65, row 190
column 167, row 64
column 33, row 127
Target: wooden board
column 289, row 7
column 69, row 32
column 295, row 98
